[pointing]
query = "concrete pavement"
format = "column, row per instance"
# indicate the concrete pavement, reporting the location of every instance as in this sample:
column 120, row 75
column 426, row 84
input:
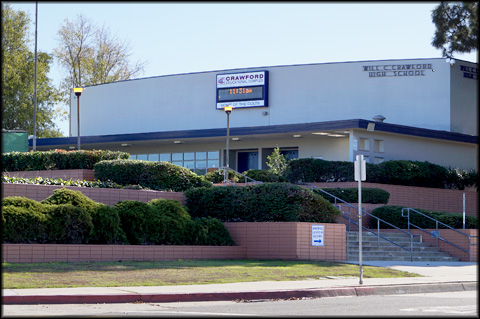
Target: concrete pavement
column 438, row 277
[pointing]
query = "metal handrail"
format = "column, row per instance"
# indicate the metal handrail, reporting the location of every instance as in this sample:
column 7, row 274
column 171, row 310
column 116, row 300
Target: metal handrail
column 437, row 233
column 252, row 181
column 364, row 213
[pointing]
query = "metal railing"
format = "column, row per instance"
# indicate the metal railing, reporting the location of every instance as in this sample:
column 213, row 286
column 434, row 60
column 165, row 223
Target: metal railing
column 364, row 213
column 436, row 232
column 227, row 181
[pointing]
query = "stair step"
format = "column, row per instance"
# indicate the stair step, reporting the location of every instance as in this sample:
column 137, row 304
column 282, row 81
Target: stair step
column 405, row 258
column 381, row 249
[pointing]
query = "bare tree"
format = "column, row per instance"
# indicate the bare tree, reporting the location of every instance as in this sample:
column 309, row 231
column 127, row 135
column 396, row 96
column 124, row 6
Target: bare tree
column 92, row 55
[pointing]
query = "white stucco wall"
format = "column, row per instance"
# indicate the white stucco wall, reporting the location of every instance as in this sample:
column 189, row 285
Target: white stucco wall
column 297, row 94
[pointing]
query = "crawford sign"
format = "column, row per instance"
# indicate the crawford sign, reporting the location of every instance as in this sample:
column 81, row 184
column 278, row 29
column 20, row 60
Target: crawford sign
column 242, row 89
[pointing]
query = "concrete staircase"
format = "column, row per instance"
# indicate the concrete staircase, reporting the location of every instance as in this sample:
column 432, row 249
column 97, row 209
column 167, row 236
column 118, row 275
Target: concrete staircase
column 386, row 251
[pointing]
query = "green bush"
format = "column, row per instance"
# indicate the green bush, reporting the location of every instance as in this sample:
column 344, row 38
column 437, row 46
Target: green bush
column 154, row 175
column 350, row 195
column 261, row 175
column 261, row 202
column 217, row 177
column 140, row 222
column 107, row 228
column 67, row 224
column 393, row 215
column 310, row 170
column 24, row 202
column 398, row 172
column 209, row 231
column 68, row 196
column 175, row 218
column 106, row 222
column 57, row 159
column 24, row 225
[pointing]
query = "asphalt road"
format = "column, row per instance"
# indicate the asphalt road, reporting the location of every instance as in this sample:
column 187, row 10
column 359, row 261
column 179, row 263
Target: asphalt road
column 444, row 304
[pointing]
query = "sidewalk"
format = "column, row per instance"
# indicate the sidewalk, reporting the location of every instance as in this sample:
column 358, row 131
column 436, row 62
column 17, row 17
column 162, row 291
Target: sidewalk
column 439, row 277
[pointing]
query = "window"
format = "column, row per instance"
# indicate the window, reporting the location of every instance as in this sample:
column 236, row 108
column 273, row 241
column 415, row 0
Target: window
column 364, row 144
column 166, row 157
column 378, row 160
column 142, row 157
column 153, row 157
column 378, row 146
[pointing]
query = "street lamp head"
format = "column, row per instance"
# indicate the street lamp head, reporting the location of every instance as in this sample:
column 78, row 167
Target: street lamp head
column 228, row 109
column 78, row 91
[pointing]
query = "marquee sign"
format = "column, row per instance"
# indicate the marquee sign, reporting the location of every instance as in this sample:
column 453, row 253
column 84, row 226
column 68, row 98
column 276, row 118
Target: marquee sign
column 248, row 89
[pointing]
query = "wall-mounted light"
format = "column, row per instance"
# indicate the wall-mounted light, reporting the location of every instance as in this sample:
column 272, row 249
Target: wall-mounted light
column 178, row 142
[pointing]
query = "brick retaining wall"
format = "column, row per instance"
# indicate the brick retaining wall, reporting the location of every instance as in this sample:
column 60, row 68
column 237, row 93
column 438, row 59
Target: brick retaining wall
column 65, row 174
column 109, row 196
column 435, row 199
column 275, row 240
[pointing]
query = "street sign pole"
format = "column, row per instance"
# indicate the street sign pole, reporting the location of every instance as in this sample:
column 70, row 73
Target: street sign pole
column 360, row 175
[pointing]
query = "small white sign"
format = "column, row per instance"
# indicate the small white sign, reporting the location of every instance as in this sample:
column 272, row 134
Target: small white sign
column 318, row 235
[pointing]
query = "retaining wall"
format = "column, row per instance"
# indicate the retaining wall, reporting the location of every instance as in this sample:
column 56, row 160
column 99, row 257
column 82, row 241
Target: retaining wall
column 65, row 174
column 109, row 196
column 436, row 199
column 275, row 240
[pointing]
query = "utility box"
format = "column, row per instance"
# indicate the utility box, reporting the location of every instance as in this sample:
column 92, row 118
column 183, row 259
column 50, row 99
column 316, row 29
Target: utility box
column 14, row 141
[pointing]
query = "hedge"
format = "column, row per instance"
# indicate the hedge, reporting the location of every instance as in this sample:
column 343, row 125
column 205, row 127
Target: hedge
column 350, row 195
column 398, row 172
column 69, row 217
column 393, row 215
column 57, row 159
column 267, row 202
column 154, row 175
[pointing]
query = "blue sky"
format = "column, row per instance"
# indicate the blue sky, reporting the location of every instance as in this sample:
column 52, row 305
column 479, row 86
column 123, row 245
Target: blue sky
column 185, row 37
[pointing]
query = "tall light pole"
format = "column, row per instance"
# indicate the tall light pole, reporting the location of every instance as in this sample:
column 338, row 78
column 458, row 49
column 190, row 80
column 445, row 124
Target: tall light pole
column 35, row 84
column 78, row 92
column 228, row 110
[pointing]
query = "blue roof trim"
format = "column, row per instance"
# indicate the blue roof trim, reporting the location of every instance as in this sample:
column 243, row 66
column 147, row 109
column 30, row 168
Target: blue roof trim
column 255, row 130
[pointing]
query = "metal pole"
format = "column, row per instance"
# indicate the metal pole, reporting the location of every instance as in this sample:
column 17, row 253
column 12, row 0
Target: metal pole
column 78, row 122
column 225, row 177
column 463, row 210
column 35, row 84
column 360, row 239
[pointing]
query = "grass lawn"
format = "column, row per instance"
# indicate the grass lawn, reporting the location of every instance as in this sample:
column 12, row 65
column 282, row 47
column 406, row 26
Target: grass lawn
column 179, row 272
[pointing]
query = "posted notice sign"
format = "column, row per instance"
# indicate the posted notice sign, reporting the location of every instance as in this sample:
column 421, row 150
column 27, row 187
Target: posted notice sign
column 318, row 235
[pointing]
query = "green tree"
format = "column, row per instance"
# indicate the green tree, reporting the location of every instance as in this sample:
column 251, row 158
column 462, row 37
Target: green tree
column 456, row 27
column 18, row 69
column 277, row 162
column 91, row 55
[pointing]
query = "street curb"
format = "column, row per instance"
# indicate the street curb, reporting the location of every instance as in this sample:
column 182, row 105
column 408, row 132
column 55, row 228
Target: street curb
column 357, row 291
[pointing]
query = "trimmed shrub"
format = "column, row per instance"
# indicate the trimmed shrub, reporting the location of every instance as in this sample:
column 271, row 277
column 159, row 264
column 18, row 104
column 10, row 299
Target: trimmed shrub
column 393, row 215
column 68, row 196
column 217, row 177
column 398, row 172
column 209, row 231
column 261, row 202
column 26, row 203
column 154, row 175
column 106, row 221
column 310, row 170
column 140, row 222
column 175, row 218
column 225, row 201
column 107, row 228
column 350, row 195
column 264, row 176
column 409, row 173
column 57, row 159
column 23, row 225
column 67, row 224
